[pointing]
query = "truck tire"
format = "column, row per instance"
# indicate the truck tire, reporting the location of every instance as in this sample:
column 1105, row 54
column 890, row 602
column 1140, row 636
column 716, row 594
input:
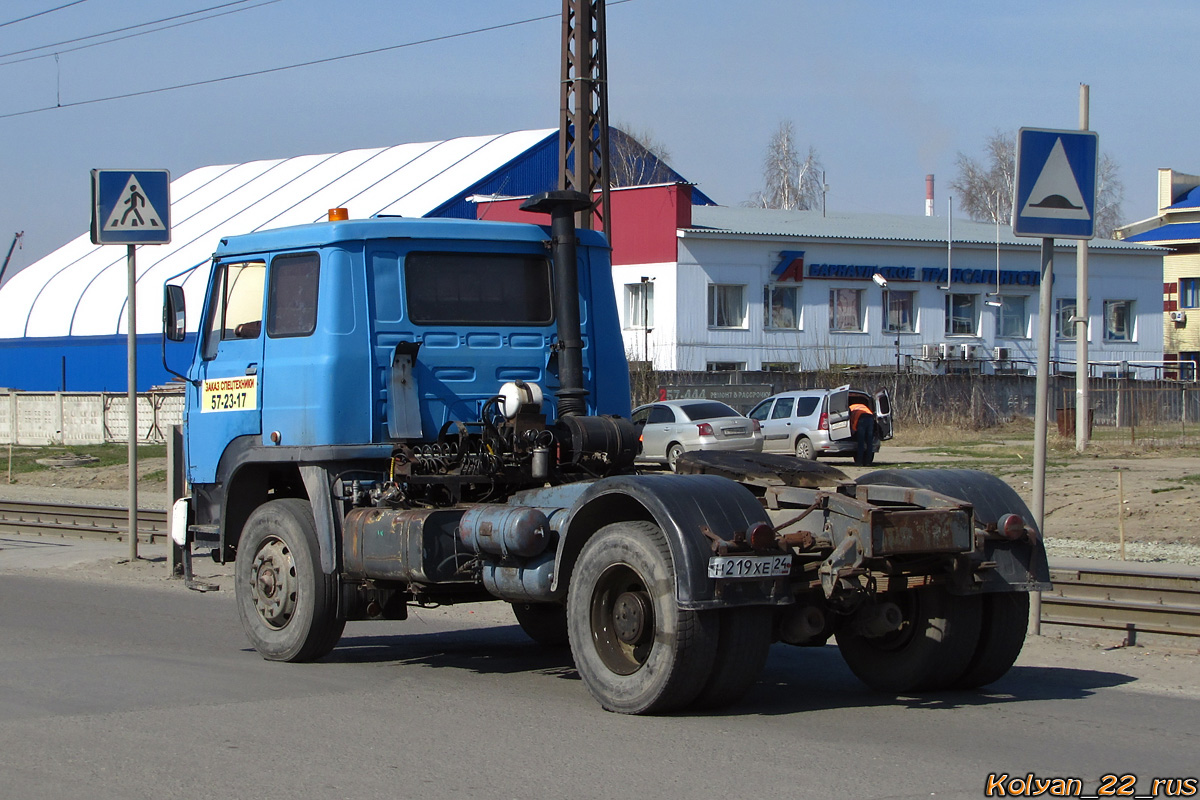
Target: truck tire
column 1005, row 624
column 1005, row 615
column 930, row 651
column 636, row 650
column 545, row 623
column 288, row 607
column 742, row 647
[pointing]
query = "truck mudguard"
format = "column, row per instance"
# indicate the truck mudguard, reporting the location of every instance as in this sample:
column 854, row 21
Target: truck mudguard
column 686, row 507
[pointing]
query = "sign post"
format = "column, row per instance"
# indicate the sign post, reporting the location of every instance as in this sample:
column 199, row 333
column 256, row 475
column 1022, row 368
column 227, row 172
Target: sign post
column 131, row 207
column 1054, row 195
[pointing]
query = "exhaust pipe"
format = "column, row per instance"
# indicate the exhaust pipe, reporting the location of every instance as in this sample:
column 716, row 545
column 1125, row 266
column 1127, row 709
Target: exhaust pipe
column 561, row 206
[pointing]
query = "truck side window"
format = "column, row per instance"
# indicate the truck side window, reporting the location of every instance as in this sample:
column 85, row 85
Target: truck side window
column 237, row 310
column 292, row 295
column 478, row 289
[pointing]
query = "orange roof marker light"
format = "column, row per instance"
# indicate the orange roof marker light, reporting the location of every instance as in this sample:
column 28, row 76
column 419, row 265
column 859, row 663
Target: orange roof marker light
column 339, row 214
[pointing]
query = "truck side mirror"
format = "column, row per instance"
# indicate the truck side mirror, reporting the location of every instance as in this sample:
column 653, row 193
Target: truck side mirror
column 174, row 314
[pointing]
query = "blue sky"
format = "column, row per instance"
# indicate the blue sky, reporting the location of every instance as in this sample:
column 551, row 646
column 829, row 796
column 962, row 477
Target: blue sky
column 886, row 92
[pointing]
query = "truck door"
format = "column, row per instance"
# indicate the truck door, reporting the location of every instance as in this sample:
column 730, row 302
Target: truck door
column 839, row 413
column 883, row 415
column 230, row 371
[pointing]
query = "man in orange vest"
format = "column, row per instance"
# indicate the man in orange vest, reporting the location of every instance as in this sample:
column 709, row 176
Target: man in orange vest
column 862, row 425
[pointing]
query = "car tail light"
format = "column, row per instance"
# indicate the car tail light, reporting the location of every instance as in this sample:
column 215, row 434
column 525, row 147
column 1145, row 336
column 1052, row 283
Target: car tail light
column 756, row 426
column 705, row 429
column 823, row 423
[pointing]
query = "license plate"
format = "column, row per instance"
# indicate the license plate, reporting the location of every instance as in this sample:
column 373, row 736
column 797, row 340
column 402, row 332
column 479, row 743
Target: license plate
column 749, row 566
column 733, row 431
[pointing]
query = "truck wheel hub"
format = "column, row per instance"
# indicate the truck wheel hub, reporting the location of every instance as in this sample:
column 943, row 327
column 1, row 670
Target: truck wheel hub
column 273, row 583
column 630, row 613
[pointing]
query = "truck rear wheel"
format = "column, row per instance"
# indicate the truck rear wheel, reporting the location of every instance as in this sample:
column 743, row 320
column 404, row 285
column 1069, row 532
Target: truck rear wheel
column 288, row 607
column 931, row 650
column 636, row 650
column 742, row 647
column 545, row 623
column 1005, row 615
column 1005, row 624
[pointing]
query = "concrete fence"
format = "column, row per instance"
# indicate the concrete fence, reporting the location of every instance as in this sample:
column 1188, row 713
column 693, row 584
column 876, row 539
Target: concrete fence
column 82, row 418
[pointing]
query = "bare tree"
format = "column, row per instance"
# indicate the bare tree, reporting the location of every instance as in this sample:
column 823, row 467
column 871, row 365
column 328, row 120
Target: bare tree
column 637, row 158
column 789, row 182
column 984, row 191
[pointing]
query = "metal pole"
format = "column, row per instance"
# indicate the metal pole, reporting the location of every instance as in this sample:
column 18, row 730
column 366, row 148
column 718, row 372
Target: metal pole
column 1042, row 403
column 1082, row 371
column 131, row 339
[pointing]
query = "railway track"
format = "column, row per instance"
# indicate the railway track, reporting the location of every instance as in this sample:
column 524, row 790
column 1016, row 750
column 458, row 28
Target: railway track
column 63, row 520
column 1150, row 598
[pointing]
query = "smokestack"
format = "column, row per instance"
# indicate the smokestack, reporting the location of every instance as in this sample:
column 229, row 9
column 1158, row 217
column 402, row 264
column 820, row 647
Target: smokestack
column 929, row 195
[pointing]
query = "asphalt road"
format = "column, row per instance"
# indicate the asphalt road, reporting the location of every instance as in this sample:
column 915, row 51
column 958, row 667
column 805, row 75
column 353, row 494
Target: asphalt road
column 119, row 690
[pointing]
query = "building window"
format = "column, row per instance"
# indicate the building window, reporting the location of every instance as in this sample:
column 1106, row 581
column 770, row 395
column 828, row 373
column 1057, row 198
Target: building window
column 1118, row 320
column 1189, row 292
column 781, row 307
column 725, row 366
column 639, row 305
column 1064, row 309
column 1012, row 323
column 845, row 309
column 961, row 315
column 726, row 306
column 901, row 317
column 780, row 366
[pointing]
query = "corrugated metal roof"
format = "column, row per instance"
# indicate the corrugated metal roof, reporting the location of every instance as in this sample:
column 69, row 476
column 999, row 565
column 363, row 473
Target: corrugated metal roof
column 80, row 288
column 842, row 226
column 1175, row 232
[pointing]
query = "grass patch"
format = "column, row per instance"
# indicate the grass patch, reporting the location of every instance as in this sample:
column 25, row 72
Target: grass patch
column 24, row 459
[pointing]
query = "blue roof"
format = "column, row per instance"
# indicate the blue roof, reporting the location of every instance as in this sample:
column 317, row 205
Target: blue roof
column 1190, row 199
column 1175, row 232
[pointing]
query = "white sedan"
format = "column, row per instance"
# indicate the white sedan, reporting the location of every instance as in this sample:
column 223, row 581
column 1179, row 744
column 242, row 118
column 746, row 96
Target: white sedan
column 669, row 428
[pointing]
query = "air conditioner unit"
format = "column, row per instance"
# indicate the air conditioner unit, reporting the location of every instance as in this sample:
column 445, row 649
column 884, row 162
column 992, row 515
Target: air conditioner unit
column 947, row 350
column 929, row 352
column 1002, row 353
column 968, row 352
column 1178, row 316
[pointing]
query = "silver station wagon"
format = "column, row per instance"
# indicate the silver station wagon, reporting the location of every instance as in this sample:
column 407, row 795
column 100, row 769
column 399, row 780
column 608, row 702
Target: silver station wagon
column 669, row 428
column 816, row 422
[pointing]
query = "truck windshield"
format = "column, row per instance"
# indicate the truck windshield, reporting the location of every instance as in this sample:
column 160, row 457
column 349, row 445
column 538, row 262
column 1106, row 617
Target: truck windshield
column 478, row 288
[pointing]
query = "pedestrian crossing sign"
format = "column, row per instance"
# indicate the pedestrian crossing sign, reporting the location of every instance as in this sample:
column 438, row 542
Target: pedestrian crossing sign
column 131, row 206
column 1055, row 187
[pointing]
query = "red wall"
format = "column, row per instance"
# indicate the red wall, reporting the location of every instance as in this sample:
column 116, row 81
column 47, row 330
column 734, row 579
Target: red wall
column 644, row 221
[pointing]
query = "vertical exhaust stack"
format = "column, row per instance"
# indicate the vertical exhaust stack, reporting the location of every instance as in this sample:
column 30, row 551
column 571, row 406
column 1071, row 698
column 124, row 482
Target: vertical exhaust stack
column 929, row 195
column 561, row 206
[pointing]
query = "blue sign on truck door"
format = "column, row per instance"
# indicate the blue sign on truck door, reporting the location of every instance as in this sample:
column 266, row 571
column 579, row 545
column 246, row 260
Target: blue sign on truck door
column 131, row 206
column 1055, row 187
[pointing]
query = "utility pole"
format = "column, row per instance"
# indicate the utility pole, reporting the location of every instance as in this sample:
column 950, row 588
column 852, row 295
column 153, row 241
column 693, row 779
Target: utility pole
column 1082, row 370
column 583, row 160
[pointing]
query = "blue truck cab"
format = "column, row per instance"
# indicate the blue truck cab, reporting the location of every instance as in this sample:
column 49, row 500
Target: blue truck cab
column 306, row 330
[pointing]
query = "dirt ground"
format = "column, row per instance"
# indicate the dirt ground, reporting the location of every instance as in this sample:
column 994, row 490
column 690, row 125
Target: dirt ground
column 1161, row 504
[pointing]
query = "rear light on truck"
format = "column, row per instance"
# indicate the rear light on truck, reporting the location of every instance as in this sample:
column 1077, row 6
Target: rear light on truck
column 823, row 423
column 704, row 428
column 1011, row 526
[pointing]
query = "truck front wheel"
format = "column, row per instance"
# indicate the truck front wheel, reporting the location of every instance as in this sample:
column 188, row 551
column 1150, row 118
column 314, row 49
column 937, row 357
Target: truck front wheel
column 288, row 607
column 636, row 650
column 931, row 650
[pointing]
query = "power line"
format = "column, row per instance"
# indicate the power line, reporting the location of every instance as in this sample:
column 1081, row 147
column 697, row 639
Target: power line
column 41, row 13
column 129, row 28
column 315, row 62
